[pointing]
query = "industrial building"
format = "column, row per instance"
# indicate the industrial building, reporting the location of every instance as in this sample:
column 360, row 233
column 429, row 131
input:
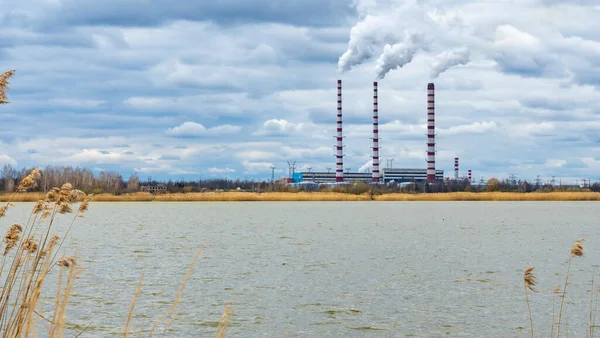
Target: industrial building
column 399, row 175
column 388, row 175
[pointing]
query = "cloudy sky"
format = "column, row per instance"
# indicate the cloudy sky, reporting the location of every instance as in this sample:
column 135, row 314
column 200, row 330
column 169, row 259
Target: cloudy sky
column 197, row 89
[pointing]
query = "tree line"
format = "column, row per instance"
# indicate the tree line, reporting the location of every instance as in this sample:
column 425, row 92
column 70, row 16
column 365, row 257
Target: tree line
column 113, row 183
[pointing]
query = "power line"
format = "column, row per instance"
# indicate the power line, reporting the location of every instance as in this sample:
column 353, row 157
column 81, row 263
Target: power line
column 291, row 168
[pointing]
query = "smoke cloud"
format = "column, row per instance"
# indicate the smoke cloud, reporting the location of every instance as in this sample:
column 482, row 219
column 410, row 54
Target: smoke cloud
column 366, row 166
column 365, row 38
column 396, row 30
column 448, row 59
column 398, row 55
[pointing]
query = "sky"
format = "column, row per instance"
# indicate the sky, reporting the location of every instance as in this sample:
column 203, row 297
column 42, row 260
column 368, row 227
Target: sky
column 228, row 88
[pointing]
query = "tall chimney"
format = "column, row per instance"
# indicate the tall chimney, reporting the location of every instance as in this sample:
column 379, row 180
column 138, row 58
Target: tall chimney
column 456, row 168
column 430, row 132
column 375, row 177
column 339, row 165
column 469, row 177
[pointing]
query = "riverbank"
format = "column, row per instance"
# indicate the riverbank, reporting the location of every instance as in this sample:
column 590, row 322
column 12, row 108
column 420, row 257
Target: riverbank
column 325, row 196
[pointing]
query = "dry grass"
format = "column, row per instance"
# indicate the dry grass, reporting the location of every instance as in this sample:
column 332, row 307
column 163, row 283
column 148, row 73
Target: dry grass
column 530, row 282
column 4, row 77
column 324, row 196
column 29, row 254
column 494, row 196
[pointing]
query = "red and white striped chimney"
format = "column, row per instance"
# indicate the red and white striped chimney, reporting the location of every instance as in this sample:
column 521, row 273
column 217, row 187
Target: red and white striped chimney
column 456, row 168
column 469, row 177
column 375, row 177
column 339, row 165
column 430, row 132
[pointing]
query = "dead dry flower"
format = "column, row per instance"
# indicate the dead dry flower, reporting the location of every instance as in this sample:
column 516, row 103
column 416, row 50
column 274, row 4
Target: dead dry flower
column 4, row 77
column 30, row 245
column 577, row 249
column 66, row 261
column 529, row 279
column 11, row 238
column 29, row 180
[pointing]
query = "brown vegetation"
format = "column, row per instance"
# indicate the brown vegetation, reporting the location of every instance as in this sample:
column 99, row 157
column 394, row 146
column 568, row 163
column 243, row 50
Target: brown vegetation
column 29, row 255
column 4, row 77
column 235, row 196
column 530, row 283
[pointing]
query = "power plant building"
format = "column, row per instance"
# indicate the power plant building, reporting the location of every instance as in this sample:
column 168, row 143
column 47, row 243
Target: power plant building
column 377, row 175
column 388, row 175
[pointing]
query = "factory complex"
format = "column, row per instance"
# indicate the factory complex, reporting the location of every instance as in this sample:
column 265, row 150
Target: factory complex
column 386, row 175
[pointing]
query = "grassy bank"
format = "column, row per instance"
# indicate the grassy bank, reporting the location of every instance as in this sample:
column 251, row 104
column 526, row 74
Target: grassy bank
column 326, row 196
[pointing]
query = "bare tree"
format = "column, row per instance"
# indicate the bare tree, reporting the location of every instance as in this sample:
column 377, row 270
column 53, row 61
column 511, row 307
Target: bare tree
column 133, row 183
column 9, row 175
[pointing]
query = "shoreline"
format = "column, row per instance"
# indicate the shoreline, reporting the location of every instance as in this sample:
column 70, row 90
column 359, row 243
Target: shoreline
column 236, row 196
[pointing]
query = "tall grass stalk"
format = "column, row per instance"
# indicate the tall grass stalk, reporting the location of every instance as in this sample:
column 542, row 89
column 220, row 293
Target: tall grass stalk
column 554, row 293
column 133, row 302
column 224, row 322
column 576, row 251
column 593, row 326
column 529, row 283
column 30, row 254
column 591, row 306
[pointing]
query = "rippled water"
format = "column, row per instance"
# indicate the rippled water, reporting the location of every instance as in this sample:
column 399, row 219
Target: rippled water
column 425, row 269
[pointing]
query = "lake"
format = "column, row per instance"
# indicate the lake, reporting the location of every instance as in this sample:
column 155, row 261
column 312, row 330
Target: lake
column 330, row 269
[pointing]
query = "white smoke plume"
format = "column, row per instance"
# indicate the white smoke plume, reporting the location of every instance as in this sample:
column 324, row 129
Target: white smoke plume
column 365, row 38
column 448, row 59
column 367, row 165
column 398, row 55
column 397, row 29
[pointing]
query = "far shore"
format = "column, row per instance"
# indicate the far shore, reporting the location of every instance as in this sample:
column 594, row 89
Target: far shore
column 236, row 196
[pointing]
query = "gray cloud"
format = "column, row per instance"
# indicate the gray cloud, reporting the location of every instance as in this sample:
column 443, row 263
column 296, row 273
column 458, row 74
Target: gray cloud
column 143, row 13
column 101, row 87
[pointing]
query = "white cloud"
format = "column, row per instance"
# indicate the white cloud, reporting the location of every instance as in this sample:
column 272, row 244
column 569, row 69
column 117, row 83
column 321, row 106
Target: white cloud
column 279, row 127
column 215, row 170
column 554, row 163
column 187, row 129
column 5, row 159
column 473, row 128
column 256, row 167
column 193, row 129
column 120, row 101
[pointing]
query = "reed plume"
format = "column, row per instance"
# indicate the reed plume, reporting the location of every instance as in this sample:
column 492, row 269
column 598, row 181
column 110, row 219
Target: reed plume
column 576, row 251
column 4, row 77
column 11, row 238
column 32, row 260
column 529, row 282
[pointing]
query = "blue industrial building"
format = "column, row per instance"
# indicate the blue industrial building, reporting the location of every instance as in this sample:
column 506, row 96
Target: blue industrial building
column 389, row 175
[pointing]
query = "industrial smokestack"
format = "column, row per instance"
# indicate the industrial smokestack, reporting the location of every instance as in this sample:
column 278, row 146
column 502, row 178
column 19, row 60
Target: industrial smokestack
column 339, row 165
column 456, row 168
column 375, row 177
column 469, row 175
column 430, row 132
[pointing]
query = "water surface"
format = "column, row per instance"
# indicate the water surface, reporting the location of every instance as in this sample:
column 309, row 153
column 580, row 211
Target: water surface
column 334, row 269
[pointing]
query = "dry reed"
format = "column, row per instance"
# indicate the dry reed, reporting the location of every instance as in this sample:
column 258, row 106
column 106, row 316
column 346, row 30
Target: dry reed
column 235, row 196
column 4, row 77
column 529, row 282
column 224, row 322
column 28, row 250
